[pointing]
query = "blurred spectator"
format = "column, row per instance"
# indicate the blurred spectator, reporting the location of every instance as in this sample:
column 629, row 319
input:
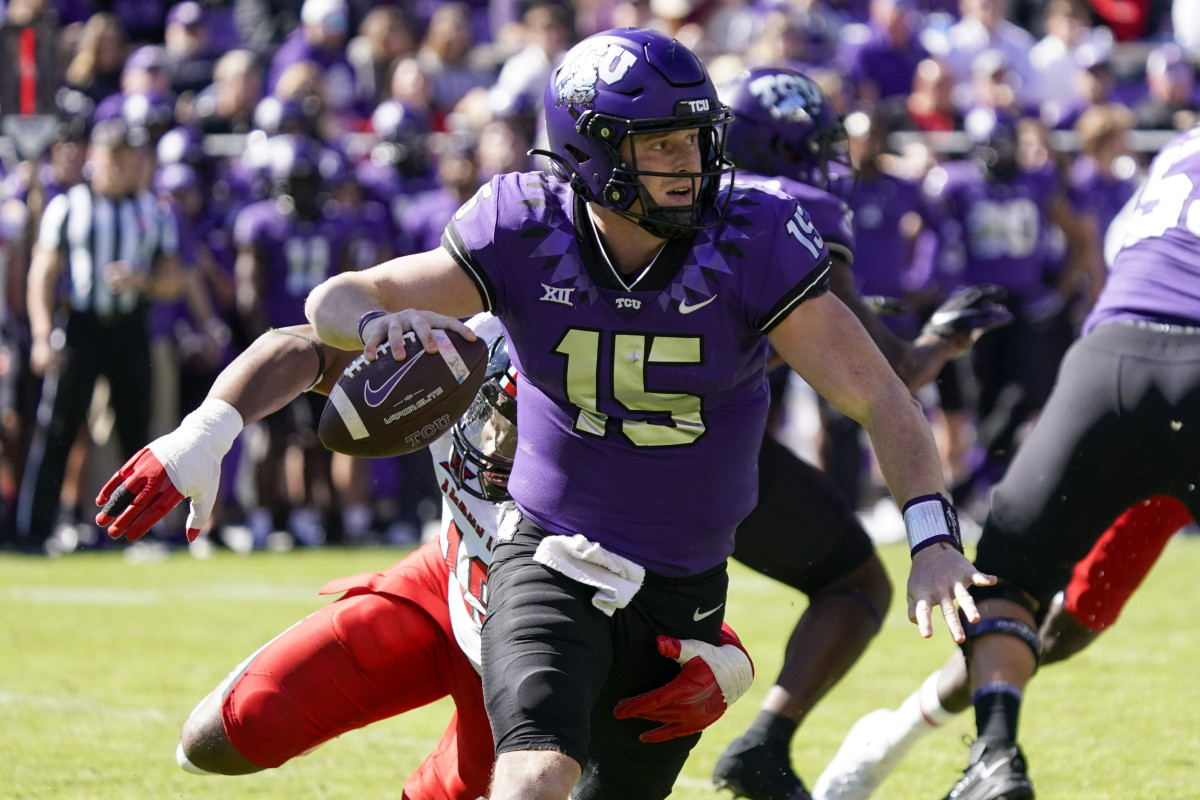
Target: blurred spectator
column 503, row 147
column 1105, row 174
column 428, row 215
column 115, row 258
column 320, row 39
column 730, row 28
column 1130, row 20
column 1185, row 22
column 96, row 68
column 884, row 65
column 981, row 28
column 448, row 60
column 227, row 106
column 1170, row 79
column 145, row 71
column 29, row 41
column 780, row 42
column 889, row 217
column 264, row 24
column 385, row 35
column 1094, row 81
column 188, row 59
column 992, row 85
column 1055, row 59
column 930, row 105
column 522, row 79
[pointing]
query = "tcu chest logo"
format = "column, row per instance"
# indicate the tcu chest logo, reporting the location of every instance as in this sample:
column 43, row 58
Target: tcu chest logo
column 605, row 62
column 628, row 302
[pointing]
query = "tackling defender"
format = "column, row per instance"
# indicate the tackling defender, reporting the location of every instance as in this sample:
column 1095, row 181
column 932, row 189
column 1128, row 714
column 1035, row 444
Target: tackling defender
column 396, row 640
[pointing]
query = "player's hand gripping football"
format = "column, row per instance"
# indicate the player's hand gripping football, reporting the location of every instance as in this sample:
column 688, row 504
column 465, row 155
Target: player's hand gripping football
column 184, row 463
column 712, row 678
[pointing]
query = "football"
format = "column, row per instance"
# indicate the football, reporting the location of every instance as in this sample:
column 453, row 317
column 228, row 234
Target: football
column 391, row 408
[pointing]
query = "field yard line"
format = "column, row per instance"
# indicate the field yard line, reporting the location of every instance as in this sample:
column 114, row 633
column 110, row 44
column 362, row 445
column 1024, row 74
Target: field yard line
column 76, row 706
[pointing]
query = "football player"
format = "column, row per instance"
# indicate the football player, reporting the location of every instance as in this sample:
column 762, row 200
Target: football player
column 395, row 640
column 286, row 245
column 640, row 298
column 1120, row 426
column 1100, row 586
column 786, row 136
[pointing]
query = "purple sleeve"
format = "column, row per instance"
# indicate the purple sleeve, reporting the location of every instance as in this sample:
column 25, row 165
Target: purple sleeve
column 470, row 238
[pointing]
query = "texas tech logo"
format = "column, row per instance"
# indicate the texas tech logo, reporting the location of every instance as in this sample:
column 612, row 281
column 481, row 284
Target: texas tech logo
column 605, row 62
column 790, row 98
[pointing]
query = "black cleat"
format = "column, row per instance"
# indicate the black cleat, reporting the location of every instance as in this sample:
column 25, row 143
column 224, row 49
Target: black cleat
column 754, row 772
column 995, row 771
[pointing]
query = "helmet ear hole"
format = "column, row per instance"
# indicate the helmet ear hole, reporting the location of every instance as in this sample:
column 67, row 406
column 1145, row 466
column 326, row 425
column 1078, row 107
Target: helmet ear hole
column 577, row 154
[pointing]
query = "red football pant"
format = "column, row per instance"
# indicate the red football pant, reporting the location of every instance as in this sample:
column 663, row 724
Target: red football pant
column 386, row 647
column 1117, row 564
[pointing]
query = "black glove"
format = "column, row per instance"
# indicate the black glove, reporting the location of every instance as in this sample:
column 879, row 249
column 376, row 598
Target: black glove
column 969, row 309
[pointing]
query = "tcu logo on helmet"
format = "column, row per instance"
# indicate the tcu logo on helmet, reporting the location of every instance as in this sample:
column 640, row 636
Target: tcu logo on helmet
column 606, row 62
column 791, row 98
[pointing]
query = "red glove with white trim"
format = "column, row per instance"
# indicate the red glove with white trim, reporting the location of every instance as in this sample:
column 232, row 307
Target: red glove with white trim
column 712, row 678
column 184, row 463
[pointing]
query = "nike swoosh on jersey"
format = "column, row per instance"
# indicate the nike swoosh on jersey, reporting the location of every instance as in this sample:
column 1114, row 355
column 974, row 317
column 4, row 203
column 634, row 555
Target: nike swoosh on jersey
column 375, row 396
column 698, row 615
column 684, row 308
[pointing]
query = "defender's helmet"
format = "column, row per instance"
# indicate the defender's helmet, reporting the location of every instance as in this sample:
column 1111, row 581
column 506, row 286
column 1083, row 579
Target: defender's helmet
column 632, row 81
column 783, row 124
column 484, row 441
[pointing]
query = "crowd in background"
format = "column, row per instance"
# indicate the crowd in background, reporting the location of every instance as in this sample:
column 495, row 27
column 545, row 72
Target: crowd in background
column 266, row 144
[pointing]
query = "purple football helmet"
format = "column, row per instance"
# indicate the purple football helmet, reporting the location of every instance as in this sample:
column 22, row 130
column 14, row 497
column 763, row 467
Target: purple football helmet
column 784, row 125
column 633, row 81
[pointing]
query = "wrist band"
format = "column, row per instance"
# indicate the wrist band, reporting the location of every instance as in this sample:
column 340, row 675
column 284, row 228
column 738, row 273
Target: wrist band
column 928, row 520
column 365, row 318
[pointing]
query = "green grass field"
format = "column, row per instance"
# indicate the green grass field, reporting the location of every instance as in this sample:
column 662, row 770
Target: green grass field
column 101, row 661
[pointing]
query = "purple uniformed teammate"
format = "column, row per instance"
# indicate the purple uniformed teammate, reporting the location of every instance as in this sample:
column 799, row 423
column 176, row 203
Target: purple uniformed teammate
column 1122, row 424
column 640, row 300
column 286, row 245
column 994, row 230
column 786, row 136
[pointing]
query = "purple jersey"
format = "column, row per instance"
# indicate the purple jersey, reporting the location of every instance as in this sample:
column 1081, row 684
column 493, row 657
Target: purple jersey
column 828, row 212
column 297, row 256
column 1156, row 274
column 992, row 232
column 642, row 405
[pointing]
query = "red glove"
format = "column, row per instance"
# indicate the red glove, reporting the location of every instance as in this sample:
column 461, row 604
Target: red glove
column 184, row 463
column 136, row 497
column 712, row 678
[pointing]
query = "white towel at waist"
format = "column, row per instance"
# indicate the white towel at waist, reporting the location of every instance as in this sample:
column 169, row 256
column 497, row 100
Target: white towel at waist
column 616, row 578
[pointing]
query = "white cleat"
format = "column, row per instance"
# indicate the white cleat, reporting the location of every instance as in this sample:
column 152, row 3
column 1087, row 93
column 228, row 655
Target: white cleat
column 869, row 753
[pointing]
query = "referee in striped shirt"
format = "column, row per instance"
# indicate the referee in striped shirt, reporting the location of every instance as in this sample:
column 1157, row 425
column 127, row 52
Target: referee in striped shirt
column 102, row 253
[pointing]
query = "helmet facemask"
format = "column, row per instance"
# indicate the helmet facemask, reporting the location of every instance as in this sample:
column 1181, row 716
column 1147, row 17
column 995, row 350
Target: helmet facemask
column 484, row 441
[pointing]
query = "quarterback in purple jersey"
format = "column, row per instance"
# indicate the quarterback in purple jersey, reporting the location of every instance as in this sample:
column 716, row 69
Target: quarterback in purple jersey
column 802, row 532
column 1121, row 425
column 640, row 300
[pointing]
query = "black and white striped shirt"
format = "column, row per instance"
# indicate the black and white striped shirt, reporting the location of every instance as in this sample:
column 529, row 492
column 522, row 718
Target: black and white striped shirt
column 94, row 231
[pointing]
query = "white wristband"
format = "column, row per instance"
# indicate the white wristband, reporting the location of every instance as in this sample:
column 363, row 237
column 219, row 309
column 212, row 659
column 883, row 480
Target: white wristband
column 928, row 520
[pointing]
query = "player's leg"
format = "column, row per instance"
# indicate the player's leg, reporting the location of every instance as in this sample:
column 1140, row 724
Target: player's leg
column 389, row 643
column 551, row 707
column 803, row 534
column 1101, row 583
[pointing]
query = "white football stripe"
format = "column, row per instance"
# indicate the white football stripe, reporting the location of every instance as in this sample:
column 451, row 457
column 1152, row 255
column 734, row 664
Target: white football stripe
column 348, row 413
column 453, row 360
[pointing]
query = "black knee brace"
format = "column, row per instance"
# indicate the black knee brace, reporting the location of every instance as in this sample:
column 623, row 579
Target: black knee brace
column 1003, row 625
